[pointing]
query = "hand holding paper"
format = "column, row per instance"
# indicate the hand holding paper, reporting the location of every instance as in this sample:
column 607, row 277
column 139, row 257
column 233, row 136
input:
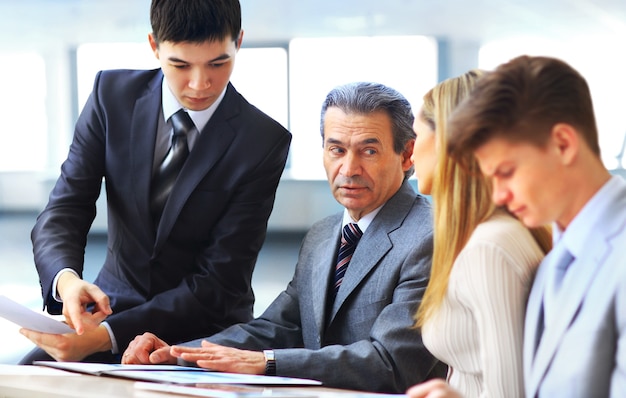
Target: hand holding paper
column 56, row 338
column 71, row 346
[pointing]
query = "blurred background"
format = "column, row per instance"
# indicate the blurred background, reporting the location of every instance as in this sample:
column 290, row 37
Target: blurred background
column 293, row 53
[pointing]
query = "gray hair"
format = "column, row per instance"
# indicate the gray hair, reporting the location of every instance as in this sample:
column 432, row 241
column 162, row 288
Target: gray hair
column 364, row 97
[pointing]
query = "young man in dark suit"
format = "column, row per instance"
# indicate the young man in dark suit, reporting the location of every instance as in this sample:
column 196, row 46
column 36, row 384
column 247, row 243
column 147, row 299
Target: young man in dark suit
column 180, row 267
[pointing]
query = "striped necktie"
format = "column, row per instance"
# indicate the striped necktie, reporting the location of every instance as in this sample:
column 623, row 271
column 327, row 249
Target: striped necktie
column 350, row 236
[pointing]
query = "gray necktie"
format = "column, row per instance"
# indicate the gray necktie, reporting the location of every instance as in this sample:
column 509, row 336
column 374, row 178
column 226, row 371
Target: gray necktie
column 558, row 266
column 168, row 170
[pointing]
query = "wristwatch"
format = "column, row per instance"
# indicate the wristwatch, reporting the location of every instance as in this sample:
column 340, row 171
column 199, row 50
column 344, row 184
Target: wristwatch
column 270, row 363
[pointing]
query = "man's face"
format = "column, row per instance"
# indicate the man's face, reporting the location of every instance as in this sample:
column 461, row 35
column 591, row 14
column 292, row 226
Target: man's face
column 362, row 168
column 197, row 73
column 527, row 179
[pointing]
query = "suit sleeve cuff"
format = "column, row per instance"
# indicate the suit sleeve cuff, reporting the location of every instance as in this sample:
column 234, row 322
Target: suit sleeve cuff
column 114, row 347
column 55, row 281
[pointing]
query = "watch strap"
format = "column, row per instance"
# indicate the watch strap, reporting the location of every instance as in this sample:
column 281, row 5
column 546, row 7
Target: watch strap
column 270, row 363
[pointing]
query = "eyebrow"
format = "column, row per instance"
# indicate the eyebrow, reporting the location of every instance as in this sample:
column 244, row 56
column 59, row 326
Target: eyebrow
column 333, row 141
column 220, row 58
column 496, row 170
column 370, row 141
column 364, row 142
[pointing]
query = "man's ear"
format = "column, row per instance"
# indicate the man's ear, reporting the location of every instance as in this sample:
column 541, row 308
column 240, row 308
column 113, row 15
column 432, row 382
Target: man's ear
column 240, row 39
column 566, row 141
column 406, row 155
column 154, row 45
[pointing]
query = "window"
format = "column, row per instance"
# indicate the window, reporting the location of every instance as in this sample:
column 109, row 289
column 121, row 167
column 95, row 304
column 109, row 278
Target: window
column 316, row 65
column 23, row 82
column 605, row 79
column 94, row 57
column 260, row 73
column 292, row 90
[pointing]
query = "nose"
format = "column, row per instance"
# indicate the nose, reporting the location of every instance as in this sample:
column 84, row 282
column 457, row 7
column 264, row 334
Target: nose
column 501, row 194
column 199, row 80
column 351, row 165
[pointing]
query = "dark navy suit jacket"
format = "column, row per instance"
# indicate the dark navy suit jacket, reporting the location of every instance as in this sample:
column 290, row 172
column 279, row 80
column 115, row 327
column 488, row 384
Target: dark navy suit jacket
column 191, row 275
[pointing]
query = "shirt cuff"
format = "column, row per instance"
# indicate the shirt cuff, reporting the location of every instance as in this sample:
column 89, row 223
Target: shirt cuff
column 56, row 280
column 114, row 347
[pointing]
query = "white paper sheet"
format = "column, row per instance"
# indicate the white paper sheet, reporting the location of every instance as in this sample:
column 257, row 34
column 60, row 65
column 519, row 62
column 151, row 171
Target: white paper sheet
column 107, row 368
column 195, row 377
column 22, row 370
column 223, row 391
column 29, row 319
column 176, row 374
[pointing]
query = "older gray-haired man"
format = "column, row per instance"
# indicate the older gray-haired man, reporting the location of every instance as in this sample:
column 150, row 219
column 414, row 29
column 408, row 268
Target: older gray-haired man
column 353, row 330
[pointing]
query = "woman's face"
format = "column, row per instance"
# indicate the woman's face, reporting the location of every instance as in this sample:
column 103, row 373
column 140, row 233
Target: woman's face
column 424, row 155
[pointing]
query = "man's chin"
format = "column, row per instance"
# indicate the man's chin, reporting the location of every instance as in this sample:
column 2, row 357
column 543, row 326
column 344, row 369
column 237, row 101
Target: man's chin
column 531, row 222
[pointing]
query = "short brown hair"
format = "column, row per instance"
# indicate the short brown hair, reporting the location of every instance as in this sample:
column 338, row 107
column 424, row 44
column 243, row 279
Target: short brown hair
column 521, row 101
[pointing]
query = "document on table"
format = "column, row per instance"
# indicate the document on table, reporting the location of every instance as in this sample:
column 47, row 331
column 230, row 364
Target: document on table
column 29, row 319
column 241, row 391
column 224, row 391
column 191, row 377
column 98, row 369
column 176, row 374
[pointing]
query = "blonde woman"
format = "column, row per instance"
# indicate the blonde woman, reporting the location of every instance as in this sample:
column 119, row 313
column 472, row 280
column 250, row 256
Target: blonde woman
column 484, row 261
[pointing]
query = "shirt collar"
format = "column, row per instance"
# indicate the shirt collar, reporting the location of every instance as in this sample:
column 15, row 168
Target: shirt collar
column 581, row 227
column 364, row 222
column 171, row 106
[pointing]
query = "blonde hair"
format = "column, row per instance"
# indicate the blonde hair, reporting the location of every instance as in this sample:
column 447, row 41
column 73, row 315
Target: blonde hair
column 461, row 195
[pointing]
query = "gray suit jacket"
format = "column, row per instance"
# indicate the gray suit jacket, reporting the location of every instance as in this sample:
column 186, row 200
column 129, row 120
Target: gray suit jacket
column 583, row 352
column 366, row 341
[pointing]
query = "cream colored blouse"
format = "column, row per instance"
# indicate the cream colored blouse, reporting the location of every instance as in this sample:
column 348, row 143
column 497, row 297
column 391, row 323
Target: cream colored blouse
column 478, row 331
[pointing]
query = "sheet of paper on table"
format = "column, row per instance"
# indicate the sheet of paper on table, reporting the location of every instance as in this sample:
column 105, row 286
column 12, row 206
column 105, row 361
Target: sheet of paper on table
column 241, row 391
column 174, row 374
column 221, row 391
column 98, row 369
column 21, row 370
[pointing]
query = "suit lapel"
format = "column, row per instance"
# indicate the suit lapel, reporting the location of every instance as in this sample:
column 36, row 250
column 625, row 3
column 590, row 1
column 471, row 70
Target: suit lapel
column 573, row 292
column 533, row 324
column 374, row 244
column 321, row 274
column 211, row 145
column 583, row 271
column 143, row 131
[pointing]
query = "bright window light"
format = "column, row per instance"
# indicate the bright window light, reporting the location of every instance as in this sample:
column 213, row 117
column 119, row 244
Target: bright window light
column 406, row 63
column 94, row 57
column 23, row 82
column 260, row 74
column 603, row 70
